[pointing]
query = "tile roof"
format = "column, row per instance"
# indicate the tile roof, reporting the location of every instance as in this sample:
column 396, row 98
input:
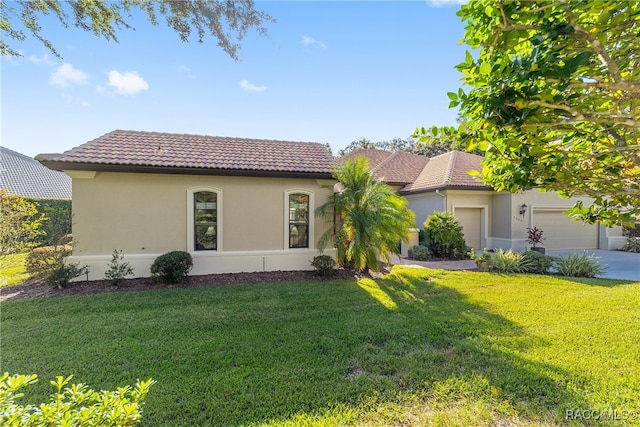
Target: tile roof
column 448, row 170
column 199, row 154
column 27, row 177
column 418, row 173
column 395, row 168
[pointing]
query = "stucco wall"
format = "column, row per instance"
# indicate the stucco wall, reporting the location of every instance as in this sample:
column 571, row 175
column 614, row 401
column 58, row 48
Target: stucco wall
column 424, row 205
column 147, row 214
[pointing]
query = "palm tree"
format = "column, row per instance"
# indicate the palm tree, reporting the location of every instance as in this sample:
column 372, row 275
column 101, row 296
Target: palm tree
column 371, row 218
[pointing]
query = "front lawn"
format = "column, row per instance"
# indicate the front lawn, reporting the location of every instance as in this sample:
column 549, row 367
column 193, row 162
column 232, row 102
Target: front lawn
column 414, row 347
column 12, row 270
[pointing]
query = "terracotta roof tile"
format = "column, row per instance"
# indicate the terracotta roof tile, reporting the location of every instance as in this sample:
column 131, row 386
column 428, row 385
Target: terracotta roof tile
column 167, row 150
column 396, row 168
column 448, row 170
column 25, row 176
column 418, row 173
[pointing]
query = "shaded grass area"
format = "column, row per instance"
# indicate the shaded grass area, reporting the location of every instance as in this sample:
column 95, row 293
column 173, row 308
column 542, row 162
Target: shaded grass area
column 416, row 346
column 12, row 269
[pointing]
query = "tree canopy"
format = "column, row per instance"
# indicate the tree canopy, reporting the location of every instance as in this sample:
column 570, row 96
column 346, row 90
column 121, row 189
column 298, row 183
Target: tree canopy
column 554, row 99
column 226, row 21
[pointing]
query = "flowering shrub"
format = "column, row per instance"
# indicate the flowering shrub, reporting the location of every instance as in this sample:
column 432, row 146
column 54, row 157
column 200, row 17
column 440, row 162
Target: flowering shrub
column 172, row 267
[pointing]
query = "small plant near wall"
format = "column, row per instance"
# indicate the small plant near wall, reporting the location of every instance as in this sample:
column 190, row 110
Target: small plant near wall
column 118, row 270
column 534, row 238
column 323, row 265
column 172, row 267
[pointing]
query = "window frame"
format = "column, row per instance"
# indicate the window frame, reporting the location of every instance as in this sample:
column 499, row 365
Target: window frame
column 310, row 220
column 191, row 219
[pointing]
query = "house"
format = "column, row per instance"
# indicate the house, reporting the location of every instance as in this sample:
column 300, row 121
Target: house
column 234, row 204
column 26, row 177
column 489, row 219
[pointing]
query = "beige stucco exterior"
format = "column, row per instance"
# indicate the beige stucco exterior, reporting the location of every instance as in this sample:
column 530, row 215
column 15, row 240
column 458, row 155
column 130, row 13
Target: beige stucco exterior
column 492, row 220
column 146, row 215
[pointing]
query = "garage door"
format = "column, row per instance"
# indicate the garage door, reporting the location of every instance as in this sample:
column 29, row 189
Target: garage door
column 562, row 233
column 471, row 221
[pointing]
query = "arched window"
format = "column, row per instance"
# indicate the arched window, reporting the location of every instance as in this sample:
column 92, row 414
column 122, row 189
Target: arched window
column 204, row 225
column 299, row 206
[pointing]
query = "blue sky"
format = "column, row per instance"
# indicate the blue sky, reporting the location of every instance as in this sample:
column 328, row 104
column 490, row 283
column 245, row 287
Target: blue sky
column 330, row 72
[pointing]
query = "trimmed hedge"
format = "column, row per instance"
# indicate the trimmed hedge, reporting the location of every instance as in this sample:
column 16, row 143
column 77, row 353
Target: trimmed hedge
column 57, row 222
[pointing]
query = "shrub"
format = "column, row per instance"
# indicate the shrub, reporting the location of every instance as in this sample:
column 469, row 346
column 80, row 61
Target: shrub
column 420, row 253
column 632, row 244
column 536, row 263
column 67, row 239
column 534, row 237
column 74, row 405
column 507, row 261
column 444, row 236
column 578, row 265
column 323, row 264
column 47, row 264
column 118, row 270
column 172, row 267
column 41, row 261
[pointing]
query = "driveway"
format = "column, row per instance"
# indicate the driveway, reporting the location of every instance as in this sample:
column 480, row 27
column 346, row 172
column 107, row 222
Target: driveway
column 617, row 264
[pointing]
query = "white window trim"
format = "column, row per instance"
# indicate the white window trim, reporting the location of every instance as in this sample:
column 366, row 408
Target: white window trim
column 190, row 218
column 312, row 242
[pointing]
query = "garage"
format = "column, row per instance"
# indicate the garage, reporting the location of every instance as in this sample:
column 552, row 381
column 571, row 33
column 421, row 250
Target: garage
column 471, row 221
column 560, row 232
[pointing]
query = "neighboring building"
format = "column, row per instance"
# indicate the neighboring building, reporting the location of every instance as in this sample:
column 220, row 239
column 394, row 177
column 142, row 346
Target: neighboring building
column 27, row 177
column 490, row 219
column 234, row 204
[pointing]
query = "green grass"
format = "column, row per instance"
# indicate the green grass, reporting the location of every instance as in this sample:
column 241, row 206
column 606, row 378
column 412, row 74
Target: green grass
column 416, row 347
column 12, row 270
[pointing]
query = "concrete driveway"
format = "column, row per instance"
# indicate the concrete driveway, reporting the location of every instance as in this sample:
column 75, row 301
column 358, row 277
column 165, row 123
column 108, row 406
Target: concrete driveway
column 617, row 264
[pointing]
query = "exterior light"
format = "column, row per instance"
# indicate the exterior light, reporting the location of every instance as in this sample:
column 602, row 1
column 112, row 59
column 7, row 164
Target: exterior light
column 523, row 209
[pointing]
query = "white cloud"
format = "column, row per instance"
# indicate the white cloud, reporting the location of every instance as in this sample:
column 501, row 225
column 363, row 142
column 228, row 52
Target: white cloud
column 442, row 3
column 310, row 41
column 186, row 71
column 127, row 83
column 66, row 75
column 44, row 59
column 244, row 84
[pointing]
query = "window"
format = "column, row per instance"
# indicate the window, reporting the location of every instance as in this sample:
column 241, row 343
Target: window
column 205, row 221
column 298, row 220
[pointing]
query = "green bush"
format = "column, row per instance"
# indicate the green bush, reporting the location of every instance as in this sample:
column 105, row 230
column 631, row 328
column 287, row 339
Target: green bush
column 578, row 265
column 118, row 270
column 323, row 265
column 507, row 261
column 75, row 405
column 632, row 244
column 172, row 267
column 47, row 264
column 57, row 219
column 536, row 263
column 420, row 253
column 444, row 236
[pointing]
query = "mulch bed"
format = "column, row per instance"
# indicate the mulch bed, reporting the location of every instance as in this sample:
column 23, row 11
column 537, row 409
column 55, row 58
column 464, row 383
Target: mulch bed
column 33, row 288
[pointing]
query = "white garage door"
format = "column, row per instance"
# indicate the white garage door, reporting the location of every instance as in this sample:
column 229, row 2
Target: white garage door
column 471, row 221
column 562, row 233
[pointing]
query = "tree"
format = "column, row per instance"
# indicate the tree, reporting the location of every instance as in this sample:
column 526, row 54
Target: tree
column 358, row 143
column 19, row 227
column 554, row 99
column 227, row 21
column 372, row 219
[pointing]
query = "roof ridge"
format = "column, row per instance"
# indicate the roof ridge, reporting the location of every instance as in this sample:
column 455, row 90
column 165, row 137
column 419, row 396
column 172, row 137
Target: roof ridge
column 450, row 168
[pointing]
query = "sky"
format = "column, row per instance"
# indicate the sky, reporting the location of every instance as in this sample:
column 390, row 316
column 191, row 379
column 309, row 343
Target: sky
column 329, row 72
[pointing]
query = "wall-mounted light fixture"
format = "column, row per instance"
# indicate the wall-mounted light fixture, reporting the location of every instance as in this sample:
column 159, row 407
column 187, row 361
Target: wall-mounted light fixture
column 523, row 209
